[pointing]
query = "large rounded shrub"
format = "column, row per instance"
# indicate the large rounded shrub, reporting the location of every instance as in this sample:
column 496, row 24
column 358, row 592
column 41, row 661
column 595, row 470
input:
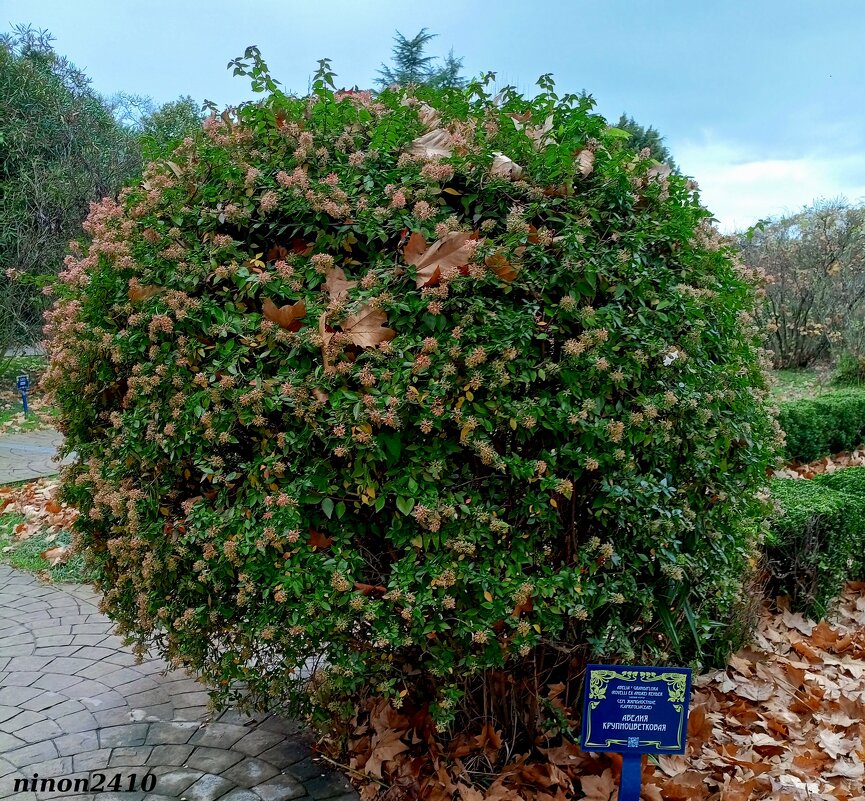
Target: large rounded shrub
column 425, row 388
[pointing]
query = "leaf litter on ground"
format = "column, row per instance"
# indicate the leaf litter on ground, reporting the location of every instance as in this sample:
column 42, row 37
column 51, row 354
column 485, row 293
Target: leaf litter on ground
column 37, row 502
column 784, row 720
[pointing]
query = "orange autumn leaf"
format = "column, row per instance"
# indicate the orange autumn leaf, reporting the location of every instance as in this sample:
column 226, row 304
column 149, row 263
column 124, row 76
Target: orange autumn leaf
column 452, row 251
column 138, row 293
column 500, row 266
column 57, row 555
column 370, row 589
column 276, row 253
column 319, row 540
column 287, row 316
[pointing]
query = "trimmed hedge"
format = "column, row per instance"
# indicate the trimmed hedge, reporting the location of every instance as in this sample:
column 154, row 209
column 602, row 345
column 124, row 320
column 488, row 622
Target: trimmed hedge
column 815, row 541
column 821, row 426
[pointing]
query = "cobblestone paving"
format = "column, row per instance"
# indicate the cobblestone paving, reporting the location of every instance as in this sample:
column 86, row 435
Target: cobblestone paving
column 28, row 455
column 74, row 704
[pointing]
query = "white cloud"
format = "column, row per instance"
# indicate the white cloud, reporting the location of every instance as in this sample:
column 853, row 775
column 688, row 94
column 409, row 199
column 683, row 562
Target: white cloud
column 740, row 189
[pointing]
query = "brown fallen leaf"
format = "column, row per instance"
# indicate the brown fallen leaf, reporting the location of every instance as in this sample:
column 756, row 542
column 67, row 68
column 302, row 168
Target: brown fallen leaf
column 319, row 540
column 585, row 160
column 287, row 316
column 367, row 328
column 452, row 251
column 497, row 262
column 57, row 555
column 138, row 293
column 504, row 167
column 437, row 143
column 336, row 283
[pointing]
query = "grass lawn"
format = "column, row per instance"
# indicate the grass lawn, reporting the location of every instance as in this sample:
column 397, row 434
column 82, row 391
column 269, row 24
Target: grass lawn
column 804, row 383
column 27, row 554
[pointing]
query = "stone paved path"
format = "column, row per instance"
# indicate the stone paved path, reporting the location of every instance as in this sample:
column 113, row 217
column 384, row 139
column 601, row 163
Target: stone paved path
column 73, row 704
column 28, row 455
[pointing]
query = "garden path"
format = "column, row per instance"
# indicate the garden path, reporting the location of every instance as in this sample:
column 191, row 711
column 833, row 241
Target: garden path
column 28, row 455
column 73, row 703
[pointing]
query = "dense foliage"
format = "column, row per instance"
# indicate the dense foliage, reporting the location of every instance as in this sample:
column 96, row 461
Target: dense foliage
column 816, row 539
column 412, row 65
column 60, row 149
column 823, row 425
column 417, row 388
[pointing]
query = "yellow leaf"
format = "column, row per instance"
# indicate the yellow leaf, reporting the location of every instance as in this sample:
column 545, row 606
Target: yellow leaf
column 470, row 396
column 460, row 401
column 370, row 490
column 513, row 423
column 488, row 595
column 537, row 627
column 450, row 191
column 417, row 541
column 553, row 503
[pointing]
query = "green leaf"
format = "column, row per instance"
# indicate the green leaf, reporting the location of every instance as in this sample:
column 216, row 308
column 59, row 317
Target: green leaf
column 327, row 507
column 405, row 505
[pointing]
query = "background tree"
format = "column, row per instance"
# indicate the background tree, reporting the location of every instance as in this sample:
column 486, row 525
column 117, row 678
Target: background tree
column 815, row 295
column 642, row 137
column 165, row 127
column 411, row 64
column 60, row 148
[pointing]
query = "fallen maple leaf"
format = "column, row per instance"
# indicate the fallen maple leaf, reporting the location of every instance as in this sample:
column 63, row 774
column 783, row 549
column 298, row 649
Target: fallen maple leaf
column 138, row 293
column 319, row 540
column 452, row 251
column 437, row 143
column 57, row 555
column 287, row 316
column 504, row 167
column 385, row 746
column 366, row 329
column 598, row 788
column 500, row 266
column 585, row 162
column 336, row 283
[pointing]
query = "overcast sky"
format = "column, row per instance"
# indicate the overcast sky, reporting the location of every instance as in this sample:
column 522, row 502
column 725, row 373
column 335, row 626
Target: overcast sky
column 762, row 101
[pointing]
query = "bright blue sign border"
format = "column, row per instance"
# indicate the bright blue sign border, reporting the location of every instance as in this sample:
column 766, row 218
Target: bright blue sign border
column 636, row 709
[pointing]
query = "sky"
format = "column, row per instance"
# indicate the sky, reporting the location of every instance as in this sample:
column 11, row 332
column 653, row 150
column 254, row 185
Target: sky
column 761, row 101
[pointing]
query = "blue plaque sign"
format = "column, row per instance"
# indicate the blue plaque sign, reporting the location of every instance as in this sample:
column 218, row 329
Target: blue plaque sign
column 635, row 710
column 23, row 384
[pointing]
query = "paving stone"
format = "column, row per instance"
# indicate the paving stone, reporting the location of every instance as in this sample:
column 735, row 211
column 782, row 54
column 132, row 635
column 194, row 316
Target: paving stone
column 218, row 735
column 38, row 752
column 37, row 663
column 91, row 760
column 213, row 760
column 22, row 678
column 77, row 721
column 130, row 757
column 208, row 788
column 72, row 744
column 43, row 730
column 171, row 733
column 328, row 786
column 170, row 754
column 128, row 735
column 286, row 753
column 176, row 781
column 279, row 788
column 241, row 795
column 55, row 681
column 306, row 769
column 257, row 741
column 8, row 742
column 15, row 696
column 250, row 771
column 43, row 701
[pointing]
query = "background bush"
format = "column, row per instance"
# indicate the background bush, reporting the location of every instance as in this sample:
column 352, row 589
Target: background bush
column 435, row 391
column 815, row 296
column 816, row 539
column 824, row 425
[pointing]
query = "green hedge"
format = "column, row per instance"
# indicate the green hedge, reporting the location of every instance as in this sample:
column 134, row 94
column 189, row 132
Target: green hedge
column 816, row 538
column 821, row 426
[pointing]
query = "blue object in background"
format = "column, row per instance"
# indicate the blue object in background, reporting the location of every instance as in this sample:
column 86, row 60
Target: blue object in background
column 23, row 384
column 635, row 710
